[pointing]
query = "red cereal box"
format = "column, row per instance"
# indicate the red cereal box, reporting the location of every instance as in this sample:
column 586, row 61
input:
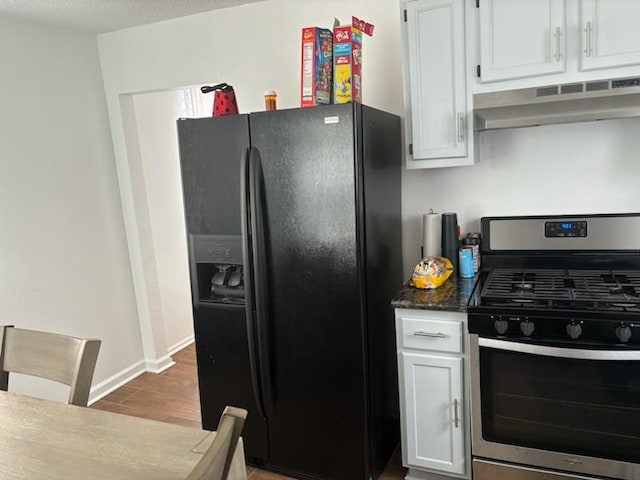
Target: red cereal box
column 317, row 66
column 347, row 64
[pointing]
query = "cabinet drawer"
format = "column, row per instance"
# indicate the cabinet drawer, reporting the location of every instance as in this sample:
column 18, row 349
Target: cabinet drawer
column 435, row 335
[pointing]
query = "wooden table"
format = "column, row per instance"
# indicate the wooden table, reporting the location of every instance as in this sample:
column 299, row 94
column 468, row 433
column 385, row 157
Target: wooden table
column 44, row 440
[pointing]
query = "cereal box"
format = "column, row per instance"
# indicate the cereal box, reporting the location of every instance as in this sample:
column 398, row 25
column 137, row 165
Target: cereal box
column 347, row 64
column 317, row 66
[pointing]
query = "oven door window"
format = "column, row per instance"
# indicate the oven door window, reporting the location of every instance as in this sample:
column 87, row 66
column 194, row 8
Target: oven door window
column 583, row 407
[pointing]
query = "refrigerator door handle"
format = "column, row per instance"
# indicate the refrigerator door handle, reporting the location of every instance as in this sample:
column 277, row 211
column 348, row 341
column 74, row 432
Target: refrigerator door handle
column 247, row 260
column 260, row 281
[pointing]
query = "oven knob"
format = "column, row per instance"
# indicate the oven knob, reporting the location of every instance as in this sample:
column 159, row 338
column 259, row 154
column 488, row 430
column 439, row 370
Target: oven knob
column 574, row 330
column 623, row 333
column 501, row 326
column 527, row 328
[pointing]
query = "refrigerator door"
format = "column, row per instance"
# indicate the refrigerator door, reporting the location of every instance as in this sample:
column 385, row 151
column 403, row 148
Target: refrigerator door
column 314, row 315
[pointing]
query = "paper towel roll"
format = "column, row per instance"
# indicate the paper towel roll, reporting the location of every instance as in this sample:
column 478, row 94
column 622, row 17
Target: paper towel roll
column 431, row 234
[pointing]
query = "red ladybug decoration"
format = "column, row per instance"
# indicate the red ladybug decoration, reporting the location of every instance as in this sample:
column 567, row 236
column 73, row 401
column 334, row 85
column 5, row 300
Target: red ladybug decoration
column 224, row 102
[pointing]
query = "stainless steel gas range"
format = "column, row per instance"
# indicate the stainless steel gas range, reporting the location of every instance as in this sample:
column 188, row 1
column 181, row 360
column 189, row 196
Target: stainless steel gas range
column 555, row 349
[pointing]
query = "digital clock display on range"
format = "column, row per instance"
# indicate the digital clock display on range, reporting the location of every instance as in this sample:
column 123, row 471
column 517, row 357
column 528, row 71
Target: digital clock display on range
column 565, row 228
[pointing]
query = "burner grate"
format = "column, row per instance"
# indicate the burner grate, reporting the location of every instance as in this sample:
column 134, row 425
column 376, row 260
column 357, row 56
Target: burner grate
column 566, row 289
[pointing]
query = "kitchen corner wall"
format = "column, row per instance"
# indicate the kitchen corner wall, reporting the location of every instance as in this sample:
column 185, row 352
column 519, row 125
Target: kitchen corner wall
column 63, row 256
column 557, row 169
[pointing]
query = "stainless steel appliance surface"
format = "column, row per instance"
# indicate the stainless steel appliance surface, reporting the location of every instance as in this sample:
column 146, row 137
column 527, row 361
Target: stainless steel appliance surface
column 550, row 104
column 554, row 326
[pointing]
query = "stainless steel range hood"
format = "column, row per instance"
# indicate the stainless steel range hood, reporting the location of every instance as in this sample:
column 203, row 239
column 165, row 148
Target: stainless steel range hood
column 567, row 103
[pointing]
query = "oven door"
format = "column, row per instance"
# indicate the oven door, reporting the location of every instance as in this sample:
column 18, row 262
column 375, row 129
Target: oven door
column 570, row 409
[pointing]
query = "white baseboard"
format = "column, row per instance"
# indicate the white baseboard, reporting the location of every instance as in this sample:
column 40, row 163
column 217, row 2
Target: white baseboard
column 159, row 365
column 180, row 345
column 114, row 382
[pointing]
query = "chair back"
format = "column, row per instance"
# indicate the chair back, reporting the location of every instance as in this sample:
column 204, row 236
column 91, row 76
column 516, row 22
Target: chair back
column 61, row 358
column 216, row 461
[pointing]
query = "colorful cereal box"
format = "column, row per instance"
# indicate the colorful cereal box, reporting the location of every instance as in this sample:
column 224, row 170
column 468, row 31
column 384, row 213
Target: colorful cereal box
column 317, row 66
column 347, row 64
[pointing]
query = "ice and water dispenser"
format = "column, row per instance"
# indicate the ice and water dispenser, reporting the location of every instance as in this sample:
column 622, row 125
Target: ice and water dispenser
column 217, row 268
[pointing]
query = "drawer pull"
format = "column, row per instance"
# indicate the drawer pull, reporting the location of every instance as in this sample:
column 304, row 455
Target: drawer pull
column 420, row 333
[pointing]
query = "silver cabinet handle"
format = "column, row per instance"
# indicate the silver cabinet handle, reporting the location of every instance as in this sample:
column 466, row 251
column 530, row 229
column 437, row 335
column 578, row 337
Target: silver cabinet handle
column 460, row 122
column 420, row 333
column 588, row 31
column 558, row 35
column 456, row 419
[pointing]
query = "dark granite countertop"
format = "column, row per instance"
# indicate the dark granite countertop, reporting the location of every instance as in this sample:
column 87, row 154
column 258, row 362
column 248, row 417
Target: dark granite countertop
column 451, row 296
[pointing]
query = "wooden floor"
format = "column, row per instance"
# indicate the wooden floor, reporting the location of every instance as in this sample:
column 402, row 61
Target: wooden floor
column 172, row 396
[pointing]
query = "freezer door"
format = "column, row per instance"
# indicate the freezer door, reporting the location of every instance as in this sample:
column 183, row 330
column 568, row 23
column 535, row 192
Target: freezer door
column 317, row 408
column 210, row 159
column 224, row 377
column 210, row 152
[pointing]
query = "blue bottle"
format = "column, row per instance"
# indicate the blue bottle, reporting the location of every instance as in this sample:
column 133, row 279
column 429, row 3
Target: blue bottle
column 465, row 260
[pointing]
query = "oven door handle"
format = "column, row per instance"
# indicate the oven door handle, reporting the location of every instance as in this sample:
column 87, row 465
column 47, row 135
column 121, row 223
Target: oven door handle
column 546, row 351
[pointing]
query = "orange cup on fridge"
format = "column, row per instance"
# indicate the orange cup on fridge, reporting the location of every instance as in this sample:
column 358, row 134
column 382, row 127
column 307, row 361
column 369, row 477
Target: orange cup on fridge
column 270, row 100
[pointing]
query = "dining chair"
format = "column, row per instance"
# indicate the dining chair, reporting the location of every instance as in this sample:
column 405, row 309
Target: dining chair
column 61, row 358
column 216, row 461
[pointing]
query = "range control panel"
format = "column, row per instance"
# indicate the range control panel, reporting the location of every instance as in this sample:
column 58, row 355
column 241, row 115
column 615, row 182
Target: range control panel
column 560, row 229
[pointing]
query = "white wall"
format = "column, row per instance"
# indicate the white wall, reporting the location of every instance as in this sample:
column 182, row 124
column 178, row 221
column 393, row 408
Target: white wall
column 557, row 169
column 156, row 115
column 63, row 257
column 255, row 47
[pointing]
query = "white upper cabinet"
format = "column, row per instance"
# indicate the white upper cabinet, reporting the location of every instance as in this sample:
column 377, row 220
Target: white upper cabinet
column 521, row 38
column 525, row 43
column 610, row 33
column 437, row 103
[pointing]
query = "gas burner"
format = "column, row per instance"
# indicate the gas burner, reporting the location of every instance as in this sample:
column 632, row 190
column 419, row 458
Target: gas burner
column 522, row 287
column 592, row 290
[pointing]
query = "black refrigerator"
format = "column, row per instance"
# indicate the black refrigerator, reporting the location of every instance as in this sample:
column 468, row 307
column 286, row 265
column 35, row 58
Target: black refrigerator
column 294, row 231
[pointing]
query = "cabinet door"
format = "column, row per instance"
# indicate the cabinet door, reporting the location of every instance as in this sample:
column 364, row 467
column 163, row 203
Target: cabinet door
column 609, row 33
column 437, row 83
column 433, row 410
column 521, row 38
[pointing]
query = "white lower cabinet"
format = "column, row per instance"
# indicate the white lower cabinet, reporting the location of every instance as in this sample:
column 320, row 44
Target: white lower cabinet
column 433, row 398
column 433, row 403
